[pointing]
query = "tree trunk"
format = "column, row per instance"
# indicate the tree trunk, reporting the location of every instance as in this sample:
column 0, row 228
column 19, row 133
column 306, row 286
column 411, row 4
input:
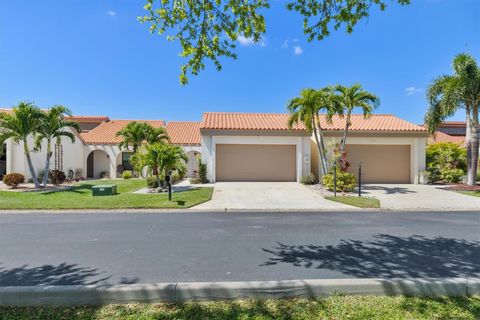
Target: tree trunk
column 472, row 155
column 474, row 146
column 345, row 133
column 319, row 147
column 321, row 144
column 30, row 164
column 47, row 164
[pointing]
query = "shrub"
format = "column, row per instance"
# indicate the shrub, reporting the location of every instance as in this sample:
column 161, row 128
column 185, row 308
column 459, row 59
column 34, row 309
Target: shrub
column 451, row 175
column 40, row 177
column 446, row 156
column 152, row 182
column 346, row 181
column 13, row 179
column 56, row 177
column 202, row 171
column 309, row 179
column 127, row 174
column 104, row 174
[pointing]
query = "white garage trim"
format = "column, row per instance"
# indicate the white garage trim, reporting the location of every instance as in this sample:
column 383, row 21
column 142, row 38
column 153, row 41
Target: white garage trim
column 302, row 149
column 417, row 149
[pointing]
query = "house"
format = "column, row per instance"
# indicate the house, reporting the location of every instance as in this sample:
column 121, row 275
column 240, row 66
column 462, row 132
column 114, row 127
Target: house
column 245, row 147
column 450, row 131
column 260, row 147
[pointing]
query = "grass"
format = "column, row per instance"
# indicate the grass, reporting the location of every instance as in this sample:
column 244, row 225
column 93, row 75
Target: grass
column 361, row 202
column 471, row 193
column 337, row 307
column 80, row 197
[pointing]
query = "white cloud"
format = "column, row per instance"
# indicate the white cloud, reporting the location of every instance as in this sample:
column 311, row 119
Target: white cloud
column 111, row 13
column 285, row 44
column 297, row 50
column 245, row 41
column 412, row 90
column 295, row 40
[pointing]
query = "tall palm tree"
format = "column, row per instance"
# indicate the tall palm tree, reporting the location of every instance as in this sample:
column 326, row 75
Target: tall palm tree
column 306, row 109
column 133, row 134
column 21, row 125
column 156, row 135
column 349, row 98
column 53, row 125
column 449, row 93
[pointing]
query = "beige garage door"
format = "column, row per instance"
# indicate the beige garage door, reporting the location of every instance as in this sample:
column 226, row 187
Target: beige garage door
column 247, row 162
column 381, row 163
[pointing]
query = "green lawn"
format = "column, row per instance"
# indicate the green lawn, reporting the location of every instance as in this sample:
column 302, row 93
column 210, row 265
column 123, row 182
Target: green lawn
column 471, row 193
column 337, row 307
column 80, row 197
column 361, row 202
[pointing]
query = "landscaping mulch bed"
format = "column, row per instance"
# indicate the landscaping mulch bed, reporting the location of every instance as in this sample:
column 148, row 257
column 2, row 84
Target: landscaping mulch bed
column 462, row 187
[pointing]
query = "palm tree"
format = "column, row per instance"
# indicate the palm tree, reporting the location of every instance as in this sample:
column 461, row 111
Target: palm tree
column 22, row 124
column 449, row 93
column 53, row 125
column 306, row 108
column 156, row 135
column 162, row 158
column 133, row 134
column 349, row 98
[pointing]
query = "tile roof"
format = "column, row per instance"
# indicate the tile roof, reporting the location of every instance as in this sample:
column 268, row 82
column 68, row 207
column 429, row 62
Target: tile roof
column 443, row 137
column 376, row 122
column 453, row 123
column 106, row 132
column 74, row 117
column 5, row 110
column 89, row 118
column 272, row 121
column 246, row 121
column 184, row 132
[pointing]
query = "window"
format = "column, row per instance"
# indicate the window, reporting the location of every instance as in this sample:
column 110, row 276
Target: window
column 126, row 160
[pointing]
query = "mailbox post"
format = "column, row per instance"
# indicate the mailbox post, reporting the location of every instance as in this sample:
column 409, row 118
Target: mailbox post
column 360, row 179
column 335, row 178
column 168, row 178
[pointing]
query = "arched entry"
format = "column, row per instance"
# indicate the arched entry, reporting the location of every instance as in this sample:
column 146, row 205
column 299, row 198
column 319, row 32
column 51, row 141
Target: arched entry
column 192, row 165
column 98, row 162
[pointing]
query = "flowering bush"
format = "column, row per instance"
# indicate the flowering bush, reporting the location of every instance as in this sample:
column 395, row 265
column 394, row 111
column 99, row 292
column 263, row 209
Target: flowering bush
column 346, row 181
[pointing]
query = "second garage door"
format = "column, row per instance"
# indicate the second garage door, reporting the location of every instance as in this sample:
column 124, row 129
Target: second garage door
column 381, row 163
column 247, row 162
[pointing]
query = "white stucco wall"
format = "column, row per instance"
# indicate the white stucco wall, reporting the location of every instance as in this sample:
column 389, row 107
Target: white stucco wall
column 417, row 149
column 302, row 148
column 17, row 162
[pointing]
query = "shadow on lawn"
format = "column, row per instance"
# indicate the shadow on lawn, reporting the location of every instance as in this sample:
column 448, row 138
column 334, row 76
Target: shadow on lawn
column 386, row 257
column 62, row 274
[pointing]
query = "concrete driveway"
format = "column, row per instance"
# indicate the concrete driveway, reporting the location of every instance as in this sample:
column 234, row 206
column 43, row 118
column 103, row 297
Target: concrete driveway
column 268, row 195
column 420, row 197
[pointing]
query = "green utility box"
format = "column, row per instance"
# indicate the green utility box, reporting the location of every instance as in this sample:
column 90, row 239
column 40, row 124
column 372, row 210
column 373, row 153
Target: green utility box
column 104, row 190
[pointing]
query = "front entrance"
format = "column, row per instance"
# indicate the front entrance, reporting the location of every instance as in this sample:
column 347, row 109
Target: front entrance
column 90, row 161
column 98, row 165
column 255, row 162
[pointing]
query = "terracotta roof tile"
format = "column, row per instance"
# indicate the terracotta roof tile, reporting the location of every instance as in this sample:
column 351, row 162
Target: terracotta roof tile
column 376, row 122
column 74, row 117
column 443, row 137
column 246, row 121
column 89, row 118
column 272, row 121
column 183, row 132
column 106, row 132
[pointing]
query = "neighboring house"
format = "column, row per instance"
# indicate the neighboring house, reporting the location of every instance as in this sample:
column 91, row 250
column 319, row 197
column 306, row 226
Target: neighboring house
column 187, row 135
column 245, row 147
column 450, row 131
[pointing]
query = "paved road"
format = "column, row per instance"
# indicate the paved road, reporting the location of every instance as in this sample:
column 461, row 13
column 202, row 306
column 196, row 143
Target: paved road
column 56, row 249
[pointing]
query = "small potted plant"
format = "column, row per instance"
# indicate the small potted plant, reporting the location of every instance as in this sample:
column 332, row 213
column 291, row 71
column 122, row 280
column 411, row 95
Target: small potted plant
column 423, row 177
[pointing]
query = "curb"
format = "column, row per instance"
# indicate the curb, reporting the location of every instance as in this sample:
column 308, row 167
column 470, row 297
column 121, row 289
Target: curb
column 76, row 295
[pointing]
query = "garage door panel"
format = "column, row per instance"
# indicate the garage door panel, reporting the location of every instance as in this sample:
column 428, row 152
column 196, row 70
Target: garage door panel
column 380, row 163
column 247, row 162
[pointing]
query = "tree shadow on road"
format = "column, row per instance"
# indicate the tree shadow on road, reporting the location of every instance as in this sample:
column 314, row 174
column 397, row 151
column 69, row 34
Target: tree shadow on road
column 386, row 256
column 62, row 274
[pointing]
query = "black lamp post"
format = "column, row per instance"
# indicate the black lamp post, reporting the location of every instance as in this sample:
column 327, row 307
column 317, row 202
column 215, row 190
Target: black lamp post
column 168, row 178
column 360, row 179
column 335, row 178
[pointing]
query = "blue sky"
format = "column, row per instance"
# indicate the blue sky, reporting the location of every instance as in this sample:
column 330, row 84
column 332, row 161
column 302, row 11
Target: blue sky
column 96, row 58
